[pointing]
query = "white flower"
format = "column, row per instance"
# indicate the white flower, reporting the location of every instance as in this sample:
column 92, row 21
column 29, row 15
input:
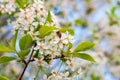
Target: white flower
column 41, row 61
column 42, row 47
column 64, row 39
column 7, row 6
column 45, row 77
column 72, row 63
column 64, row 75
column 34, row 35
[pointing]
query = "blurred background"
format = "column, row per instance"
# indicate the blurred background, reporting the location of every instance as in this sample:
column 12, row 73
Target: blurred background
column 92, row 20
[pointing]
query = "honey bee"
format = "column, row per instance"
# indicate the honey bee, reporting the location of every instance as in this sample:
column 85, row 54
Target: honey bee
column 59, row 34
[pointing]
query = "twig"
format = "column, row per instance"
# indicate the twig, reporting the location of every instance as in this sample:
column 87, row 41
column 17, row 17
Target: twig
column 31, row 60
column 37, row 74
column 27, row 63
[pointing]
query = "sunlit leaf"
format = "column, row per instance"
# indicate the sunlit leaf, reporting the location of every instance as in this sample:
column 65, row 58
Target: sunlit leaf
column 49, row 18
column 6, row 59
column 3, row 78
column 70, row 30
column 113, row 9
column 66, row 54
column 79, row 22
column 45, row 30
column 24, row 53
column 21, row 3
column 84, row 46
column 70, row 45
column 83, row 56
column 25, row 42
column 13, row 43
column 5, row 49
column 66, row 24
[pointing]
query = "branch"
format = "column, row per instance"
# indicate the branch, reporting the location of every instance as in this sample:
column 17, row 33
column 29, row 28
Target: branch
column 27, row 63
column 31, row 60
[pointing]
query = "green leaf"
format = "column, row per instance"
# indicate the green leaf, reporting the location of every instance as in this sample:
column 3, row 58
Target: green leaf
column 79, row 22
column 66, row 24
column 13, row 43
column 37, row 55
column 70, row 45
column 113, row 9
column 45, row 30
column 3, row 78
column 84, row 46
column 21, row 3
column 49, row 18
column 25, row 42
column 24, row 53
column 66, row 54
column 5, row 49
column 83, row 56
column 6, row 59
column 70, row 30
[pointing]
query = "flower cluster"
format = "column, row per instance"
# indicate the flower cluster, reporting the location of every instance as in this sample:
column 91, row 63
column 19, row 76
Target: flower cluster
column 42, row 42
column 7, row 6
column 52, row 46
column 29, row 18
column 61, row 76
